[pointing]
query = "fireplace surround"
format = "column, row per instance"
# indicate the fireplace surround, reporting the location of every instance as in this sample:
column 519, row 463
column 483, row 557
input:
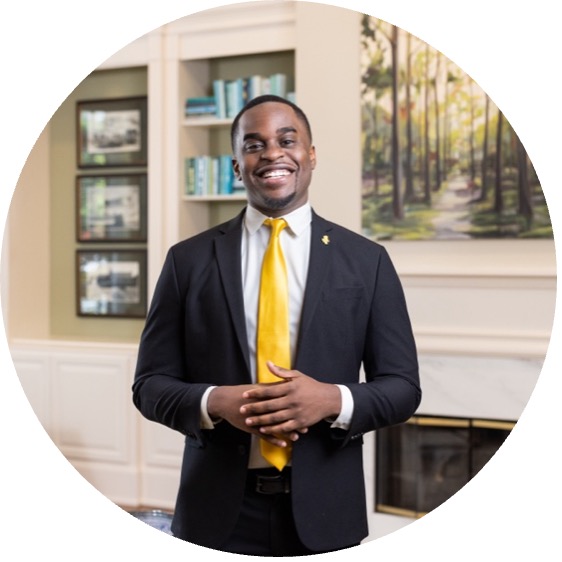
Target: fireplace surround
column 423, row 462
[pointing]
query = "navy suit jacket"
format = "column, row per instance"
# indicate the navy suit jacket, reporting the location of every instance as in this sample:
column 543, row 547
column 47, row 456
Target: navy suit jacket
column 354, row 315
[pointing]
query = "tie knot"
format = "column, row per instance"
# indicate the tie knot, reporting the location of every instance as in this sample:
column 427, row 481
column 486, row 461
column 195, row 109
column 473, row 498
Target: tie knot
column 276, row 225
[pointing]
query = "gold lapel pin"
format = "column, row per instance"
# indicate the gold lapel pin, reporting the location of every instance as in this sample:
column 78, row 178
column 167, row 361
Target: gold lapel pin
column 326, row 239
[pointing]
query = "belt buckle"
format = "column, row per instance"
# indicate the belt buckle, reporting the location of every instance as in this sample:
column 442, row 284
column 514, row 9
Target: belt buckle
column 272, row 484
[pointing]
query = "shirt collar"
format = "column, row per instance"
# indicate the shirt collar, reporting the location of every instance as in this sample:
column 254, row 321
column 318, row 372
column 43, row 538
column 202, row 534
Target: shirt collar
column 297, row 221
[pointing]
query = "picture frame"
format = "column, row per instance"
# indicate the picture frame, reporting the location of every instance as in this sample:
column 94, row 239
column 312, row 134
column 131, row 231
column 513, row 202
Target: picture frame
column 112, row 132
column 111, row 208
column 452, row 168
column 111, row 283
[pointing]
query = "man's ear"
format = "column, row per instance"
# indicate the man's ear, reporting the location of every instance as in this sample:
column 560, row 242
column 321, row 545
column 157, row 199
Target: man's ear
column 312, row 156
column 236, row 168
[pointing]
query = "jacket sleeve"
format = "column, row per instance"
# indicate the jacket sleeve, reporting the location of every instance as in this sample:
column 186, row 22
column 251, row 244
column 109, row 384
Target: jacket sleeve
column 161, row 388
column 391, row 392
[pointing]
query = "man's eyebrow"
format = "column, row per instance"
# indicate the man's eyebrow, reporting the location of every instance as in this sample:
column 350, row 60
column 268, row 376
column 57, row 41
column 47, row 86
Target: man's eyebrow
column 280, row 131
column 283, row 130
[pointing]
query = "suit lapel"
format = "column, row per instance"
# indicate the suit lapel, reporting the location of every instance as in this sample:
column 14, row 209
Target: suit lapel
column 318, row 268
column 227, row 249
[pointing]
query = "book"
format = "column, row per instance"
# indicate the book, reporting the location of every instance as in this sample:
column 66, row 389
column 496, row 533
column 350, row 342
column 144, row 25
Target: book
column 214, row 176
column 255, row 86
column 200, row 175
column 204, row 105
column 278, row 84
column 190, row 181
column 230, row 96
column 208, row 175
column 226, row 174
column 220, row 100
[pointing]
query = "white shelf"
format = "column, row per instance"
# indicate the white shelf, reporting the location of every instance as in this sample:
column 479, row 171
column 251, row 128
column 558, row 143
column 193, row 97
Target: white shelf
column 206, row 122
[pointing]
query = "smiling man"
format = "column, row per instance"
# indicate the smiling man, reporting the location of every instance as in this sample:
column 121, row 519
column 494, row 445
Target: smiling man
column 263, row 382
column 274, row 157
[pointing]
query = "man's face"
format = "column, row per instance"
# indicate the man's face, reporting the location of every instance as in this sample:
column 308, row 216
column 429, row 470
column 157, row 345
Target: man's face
column 274, row 157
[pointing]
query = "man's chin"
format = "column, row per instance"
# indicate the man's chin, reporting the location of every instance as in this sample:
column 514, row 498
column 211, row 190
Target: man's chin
column 278, row 203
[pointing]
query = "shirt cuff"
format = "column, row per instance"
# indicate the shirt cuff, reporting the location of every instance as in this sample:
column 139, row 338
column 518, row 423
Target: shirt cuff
column 206, row 421
column 343, row 421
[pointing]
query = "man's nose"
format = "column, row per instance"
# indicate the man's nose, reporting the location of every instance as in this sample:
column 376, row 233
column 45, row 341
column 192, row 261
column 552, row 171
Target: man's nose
column 272, row 151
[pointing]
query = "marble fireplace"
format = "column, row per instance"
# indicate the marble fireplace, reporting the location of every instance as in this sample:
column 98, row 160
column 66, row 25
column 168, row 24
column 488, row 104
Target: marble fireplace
column 470, row 404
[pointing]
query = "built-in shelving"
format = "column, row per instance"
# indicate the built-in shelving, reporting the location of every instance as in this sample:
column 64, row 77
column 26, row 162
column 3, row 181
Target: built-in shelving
column 205, row 202
column 206, row 122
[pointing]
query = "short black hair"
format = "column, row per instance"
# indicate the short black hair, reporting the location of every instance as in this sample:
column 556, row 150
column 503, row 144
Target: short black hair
column 264, row 99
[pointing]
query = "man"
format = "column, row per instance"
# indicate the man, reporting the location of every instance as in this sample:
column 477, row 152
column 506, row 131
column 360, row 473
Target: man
column 199, row 359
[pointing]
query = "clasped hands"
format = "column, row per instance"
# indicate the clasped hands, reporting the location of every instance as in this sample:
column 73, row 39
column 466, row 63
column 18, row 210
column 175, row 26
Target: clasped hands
column 278, row 412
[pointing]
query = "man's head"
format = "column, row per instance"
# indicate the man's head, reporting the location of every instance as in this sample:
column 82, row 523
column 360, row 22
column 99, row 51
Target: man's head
column 265, row 99
column 273, row 154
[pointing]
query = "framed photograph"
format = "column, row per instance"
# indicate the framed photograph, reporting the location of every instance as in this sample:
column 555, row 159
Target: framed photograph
column 111, row 208
column 112, row 132
column 111, row 283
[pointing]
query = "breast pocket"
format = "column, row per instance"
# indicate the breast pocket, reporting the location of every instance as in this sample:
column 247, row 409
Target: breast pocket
column 341, row 316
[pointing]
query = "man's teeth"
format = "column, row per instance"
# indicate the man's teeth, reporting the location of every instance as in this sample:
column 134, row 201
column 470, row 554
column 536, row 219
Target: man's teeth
column 276, row 173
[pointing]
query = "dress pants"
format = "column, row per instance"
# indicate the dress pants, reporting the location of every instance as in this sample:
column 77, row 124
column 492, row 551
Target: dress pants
column 265, row 526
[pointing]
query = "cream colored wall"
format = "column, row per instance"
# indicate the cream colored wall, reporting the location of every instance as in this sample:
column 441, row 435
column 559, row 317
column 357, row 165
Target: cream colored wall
column 29, row 247
column 327, row 78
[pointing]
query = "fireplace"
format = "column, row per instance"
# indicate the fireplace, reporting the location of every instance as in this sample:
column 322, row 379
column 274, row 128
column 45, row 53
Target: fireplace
column 423, row 462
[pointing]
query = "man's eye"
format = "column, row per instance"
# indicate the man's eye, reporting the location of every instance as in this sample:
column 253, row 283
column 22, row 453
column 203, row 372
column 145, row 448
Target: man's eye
column 251, row 146
column 287, row 142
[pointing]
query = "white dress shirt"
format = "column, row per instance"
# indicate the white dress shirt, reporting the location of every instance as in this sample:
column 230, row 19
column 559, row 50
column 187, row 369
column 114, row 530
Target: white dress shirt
column 295, row 242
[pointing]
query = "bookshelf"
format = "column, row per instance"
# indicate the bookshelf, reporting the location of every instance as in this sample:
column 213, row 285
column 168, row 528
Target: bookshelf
column 205, row 148
column 186, row 55
column 183, row 59
column 208, row 136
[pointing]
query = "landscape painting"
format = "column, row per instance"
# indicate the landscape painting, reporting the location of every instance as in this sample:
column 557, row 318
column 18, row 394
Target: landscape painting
column 439, row 159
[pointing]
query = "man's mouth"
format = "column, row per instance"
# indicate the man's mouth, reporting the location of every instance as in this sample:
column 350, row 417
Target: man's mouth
column 275, row 174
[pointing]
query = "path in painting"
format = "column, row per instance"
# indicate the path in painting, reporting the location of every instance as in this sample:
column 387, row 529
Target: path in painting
column 453, row 205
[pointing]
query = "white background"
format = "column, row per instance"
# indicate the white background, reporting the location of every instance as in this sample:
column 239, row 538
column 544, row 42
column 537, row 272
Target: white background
column 511, row 510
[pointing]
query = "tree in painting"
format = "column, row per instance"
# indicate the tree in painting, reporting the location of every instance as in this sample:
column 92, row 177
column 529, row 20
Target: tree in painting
column 440, row 160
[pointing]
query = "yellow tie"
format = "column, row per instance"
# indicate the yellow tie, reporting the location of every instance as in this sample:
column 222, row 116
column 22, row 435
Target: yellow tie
column 273, row 342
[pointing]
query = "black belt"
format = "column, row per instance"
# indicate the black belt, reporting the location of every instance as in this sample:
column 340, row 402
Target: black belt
column 269, row 481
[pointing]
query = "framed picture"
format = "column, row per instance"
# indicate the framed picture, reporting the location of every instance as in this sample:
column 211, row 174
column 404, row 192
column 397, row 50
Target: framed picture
column 111, row 208
column 112, row 132
column 111, row 283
